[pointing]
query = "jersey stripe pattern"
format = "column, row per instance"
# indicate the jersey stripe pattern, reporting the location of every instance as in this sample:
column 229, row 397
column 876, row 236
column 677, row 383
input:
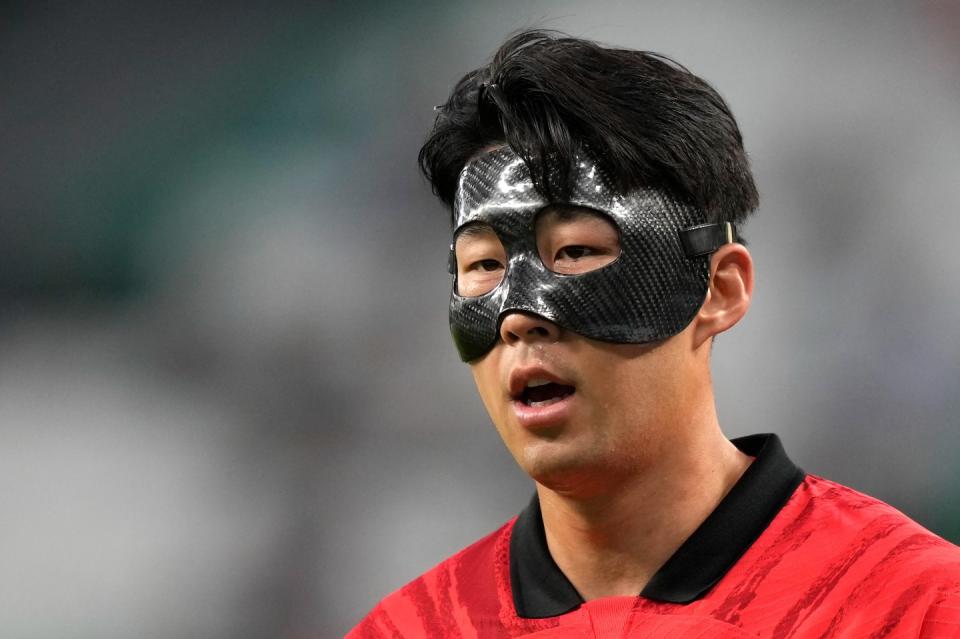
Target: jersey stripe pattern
column 833, row 563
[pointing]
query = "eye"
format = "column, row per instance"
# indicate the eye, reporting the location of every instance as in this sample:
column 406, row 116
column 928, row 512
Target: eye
column 575, row 240
column 481, row 260
column 574, row 252
column 488, row 266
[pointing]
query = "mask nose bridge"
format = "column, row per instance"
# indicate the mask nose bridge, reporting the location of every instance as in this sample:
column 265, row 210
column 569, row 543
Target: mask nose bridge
column 526, row 281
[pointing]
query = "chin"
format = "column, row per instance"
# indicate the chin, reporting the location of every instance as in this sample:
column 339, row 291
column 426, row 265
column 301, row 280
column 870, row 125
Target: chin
column 559, row 466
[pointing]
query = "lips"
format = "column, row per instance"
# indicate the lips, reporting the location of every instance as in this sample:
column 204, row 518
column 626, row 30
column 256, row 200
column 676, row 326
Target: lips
column 541, row 392
column 540, row 397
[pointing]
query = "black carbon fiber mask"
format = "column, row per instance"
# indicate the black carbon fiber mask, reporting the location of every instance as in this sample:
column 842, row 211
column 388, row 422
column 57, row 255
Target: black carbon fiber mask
column 650, row 292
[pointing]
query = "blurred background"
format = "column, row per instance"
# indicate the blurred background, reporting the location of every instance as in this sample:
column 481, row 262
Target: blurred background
column 229, row 404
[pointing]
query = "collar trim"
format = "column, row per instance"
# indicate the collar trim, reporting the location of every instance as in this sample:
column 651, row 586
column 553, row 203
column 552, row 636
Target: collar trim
column 541, row 590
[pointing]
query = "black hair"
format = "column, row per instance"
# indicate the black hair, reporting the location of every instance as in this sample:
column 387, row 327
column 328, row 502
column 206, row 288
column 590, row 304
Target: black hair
column 646, row 120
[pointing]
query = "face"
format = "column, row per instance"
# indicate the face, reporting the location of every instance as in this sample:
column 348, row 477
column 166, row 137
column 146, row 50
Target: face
column 577, row 319
column 649, row 292
column 565, row 405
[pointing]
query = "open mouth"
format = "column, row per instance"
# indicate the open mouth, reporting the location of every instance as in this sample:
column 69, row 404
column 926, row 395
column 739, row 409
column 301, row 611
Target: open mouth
column 544, row 393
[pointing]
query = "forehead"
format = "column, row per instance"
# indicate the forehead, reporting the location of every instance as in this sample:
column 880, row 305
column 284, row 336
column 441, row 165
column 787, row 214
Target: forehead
column 477, row 231
column 495, row 184
column 497, row 187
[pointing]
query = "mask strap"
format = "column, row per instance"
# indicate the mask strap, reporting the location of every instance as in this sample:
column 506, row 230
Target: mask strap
column 452, row 261
column 704, row 239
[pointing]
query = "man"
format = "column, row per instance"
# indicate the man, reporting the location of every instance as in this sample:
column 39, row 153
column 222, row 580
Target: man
column 596, row 196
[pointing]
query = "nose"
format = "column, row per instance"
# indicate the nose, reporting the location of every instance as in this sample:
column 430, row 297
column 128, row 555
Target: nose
column 518, row 327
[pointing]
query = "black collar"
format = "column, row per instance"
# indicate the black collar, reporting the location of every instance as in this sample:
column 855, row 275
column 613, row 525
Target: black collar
column 541, row 590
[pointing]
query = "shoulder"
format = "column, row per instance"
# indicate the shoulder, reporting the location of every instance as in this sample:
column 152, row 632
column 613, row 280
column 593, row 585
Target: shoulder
column 865, row 528
column 855, row 561
column 456, row 593
column 850, row 512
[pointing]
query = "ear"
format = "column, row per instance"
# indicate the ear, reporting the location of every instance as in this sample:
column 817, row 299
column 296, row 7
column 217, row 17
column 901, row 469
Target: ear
column 729, row 294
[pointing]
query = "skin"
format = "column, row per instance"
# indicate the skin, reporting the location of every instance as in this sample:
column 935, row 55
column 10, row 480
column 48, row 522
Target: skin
column 635, row 460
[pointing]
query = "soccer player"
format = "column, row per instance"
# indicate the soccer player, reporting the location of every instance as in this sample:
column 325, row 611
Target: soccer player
column 597, row 197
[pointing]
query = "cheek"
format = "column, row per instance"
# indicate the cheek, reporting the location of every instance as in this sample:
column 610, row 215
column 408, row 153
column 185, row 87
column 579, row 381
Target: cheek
column 485, row 377
column 639, row 391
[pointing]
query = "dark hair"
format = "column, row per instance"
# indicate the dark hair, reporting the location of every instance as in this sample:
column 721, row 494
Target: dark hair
column 646, row 120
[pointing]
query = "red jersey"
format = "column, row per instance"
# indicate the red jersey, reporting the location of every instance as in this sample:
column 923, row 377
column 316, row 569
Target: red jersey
column 783, row 555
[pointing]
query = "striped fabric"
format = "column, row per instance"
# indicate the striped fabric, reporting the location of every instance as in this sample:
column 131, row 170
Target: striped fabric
column 832, row 563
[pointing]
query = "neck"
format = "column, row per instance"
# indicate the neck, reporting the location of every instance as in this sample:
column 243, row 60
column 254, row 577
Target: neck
column 612, row 542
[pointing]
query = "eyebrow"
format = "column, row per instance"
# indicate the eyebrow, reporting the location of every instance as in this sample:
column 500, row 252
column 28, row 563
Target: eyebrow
column 568, row 213
column 472, row 230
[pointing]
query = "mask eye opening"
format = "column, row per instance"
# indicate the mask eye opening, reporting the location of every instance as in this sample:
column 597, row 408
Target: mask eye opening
column 574, row 240
column 477, row 260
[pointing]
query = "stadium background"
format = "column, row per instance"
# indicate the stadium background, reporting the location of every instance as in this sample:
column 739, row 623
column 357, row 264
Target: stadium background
column 229, row 406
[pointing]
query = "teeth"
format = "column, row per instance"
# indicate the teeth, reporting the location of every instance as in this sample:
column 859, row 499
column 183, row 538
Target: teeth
column 546, row 402
column 537, row 381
